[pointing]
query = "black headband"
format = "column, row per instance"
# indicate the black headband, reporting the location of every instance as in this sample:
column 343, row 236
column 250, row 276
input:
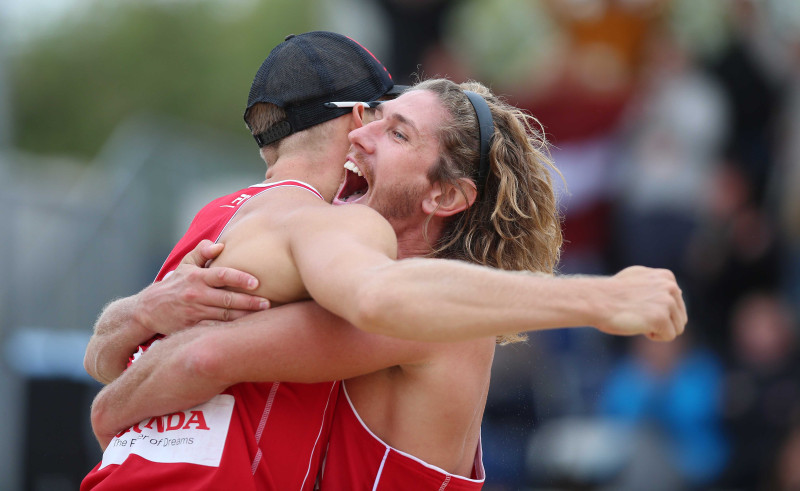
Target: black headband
column 486, row 132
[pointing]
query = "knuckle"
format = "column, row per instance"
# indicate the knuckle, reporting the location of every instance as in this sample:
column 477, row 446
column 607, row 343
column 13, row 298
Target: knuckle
column 242, row 279
column 227, row 300
column 190, row 295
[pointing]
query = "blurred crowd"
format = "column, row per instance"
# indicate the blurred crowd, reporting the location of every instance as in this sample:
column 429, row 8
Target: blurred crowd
column 676, row 126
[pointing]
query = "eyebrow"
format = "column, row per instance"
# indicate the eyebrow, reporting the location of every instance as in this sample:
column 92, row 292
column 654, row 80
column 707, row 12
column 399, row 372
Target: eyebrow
column 399, row 118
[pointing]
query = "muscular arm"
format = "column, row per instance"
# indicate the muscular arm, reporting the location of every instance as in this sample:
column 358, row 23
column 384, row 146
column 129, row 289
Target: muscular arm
column 299, row 342
column 191, row 294
column 355, row 277
column 302, row 342
column 455, row 301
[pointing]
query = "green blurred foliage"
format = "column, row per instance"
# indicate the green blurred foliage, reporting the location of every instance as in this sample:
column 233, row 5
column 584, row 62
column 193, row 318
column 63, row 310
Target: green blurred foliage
column 193, row 60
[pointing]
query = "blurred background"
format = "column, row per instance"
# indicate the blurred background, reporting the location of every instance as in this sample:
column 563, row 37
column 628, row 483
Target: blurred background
column 676, row 124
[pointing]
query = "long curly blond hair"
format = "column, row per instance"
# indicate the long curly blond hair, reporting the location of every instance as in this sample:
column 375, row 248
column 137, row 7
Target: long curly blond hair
column 514, row 223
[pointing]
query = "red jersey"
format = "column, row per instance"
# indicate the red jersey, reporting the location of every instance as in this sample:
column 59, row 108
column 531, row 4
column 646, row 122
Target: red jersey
column 211, row 221
column 253, row 436
column 358, row 460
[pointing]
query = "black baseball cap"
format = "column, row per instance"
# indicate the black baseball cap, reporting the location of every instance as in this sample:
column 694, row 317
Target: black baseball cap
column 307, row 70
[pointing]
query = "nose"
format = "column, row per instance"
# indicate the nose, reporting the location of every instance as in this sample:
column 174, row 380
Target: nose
column 362, row 137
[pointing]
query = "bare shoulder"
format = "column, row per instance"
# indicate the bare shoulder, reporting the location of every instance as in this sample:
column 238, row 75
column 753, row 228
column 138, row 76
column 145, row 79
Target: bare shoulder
column 260, row 219
column 357, row 222
column 354, row 215
column 261, row 225
column 268, row 208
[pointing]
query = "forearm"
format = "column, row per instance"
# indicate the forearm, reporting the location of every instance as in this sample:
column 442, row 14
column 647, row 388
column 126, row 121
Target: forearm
column 117, row 333
column 191, row 295
column 449, row 301
column 163, row 380
column 299, row 342
column 190, row 367
column 355, row 277
column 435, row 300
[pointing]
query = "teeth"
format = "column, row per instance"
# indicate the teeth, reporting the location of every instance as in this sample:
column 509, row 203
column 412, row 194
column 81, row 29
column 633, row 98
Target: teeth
column 352, row 167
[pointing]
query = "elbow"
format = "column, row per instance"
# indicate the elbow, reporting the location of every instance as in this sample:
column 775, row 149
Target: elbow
column 90, row 366
column 98, row 411
column 101, row 423
column 90, row 359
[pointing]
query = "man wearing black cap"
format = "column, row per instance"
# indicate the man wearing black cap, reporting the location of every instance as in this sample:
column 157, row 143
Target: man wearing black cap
column 425, row 375
column 227, row 444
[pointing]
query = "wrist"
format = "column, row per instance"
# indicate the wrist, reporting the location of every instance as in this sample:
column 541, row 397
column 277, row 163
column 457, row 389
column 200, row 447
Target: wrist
column 601, row 297
column 582, row 296
column 140, row 319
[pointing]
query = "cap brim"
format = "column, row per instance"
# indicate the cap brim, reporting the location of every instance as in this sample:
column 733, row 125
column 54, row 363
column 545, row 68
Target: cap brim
column 397, row 89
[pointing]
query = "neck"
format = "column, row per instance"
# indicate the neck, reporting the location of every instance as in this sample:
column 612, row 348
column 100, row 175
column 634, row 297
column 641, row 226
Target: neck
column 411, row 241
column 323, row 172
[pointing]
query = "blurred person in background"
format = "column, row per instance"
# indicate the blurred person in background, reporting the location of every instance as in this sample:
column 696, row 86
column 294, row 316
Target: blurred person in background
column 670, row 397
column 734, row 252
column 415, row 34
column 785, row 179
column 786, row 476
column 751, row 76
column 657, row 425
column 762, row 395
column 738, row 247
column 668, row 151
column 601, row 51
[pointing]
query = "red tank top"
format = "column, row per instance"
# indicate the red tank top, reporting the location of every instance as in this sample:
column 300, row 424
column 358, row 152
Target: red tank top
column 259, row 436
column 358, row 460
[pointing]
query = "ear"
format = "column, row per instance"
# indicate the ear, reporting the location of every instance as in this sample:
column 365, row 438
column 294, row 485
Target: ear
column 447, row 199
column 358, row 117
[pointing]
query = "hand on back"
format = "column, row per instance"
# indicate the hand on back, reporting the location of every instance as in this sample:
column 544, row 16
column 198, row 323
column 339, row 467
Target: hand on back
column 193, row 293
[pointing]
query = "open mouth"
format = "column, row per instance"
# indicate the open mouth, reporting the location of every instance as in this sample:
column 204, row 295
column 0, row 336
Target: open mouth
column 354, row 187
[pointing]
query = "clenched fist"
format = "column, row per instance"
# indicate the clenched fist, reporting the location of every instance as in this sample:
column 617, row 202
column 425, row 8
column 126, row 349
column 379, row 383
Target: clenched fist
column 641, row 300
